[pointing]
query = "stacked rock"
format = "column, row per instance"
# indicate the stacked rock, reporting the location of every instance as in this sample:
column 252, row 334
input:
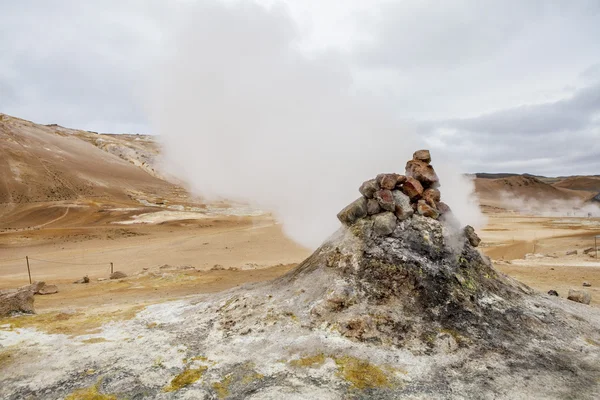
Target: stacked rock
column 391, row 197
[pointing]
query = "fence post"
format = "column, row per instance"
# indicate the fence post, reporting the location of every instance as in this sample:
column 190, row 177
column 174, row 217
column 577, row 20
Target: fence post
column 28, row 270
column 111, row 267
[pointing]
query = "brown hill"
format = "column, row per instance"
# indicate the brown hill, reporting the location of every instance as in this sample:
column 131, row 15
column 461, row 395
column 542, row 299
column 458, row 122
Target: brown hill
column 41, row 163
column 493, row 192
column 50, row 173
column 587, row 183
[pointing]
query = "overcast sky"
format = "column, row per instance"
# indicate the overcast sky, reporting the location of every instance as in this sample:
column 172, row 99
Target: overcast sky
column 506, row 86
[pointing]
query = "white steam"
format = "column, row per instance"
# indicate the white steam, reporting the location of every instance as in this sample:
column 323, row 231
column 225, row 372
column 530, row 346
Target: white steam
column 549, row 207
column 245, row 115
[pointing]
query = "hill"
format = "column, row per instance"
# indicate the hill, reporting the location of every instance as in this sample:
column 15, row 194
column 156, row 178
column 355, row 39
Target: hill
column 586, row 183
column 51, row 173
column 495, row 191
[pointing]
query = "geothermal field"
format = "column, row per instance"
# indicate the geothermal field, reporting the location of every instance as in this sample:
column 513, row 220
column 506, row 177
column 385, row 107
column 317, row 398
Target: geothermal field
column 117, row 282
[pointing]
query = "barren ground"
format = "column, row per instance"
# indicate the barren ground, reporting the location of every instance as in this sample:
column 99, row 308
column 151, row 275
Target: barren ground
column 227, row 251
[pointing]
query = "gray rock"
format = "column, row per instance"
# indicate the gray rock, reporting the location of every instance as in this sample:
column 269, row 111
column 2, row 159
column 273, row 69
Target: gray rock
column 572, row 253
column 118, row 275
column 422, row 155
column 589, row 250
column 21, row 301
column 385, row 199
column 403, row 209
column 470, row 234
column 85, row 279
column 373, row 207
column 48, row 289
column 384, row 223
column 368, row 188
column 580, row 296
column 586, row 284
column 443, row 208
column 34, row 287
column 353, row 211
column 553, row 292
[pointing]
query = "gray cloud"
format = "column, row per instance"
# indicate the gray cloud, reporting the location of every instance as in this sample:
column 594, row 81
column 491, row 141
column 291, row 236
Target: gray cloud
column 543, row 138
column 513, row 85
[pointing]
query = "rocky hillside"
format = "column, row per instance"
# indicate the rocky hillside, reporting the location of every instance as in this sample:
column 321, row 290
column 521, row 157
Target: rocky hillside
column 41, row 163
column 398, row 303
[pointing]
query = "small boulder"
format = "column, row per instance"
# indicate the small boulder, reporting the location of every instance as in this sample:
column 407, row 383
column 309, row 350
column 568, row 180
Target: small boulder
column 426, row 210
column 373, row 207
column 586, row 284
column 552, row 292
column 422, row 155
column 118, row 275
column 34, row 287
column 572, row 253
column 443, row 208
column 353, row 211
column 385, row 199
column 580, row 296
column 387, row 181
column 48, row 289
column 368, row 188
column 470, row 234
column 384, row 223
column 588, row 250
column 85, row 279
column 17, row 302
column 402, row 206
column 412, row 188
column 421, row 171
column 431, row 196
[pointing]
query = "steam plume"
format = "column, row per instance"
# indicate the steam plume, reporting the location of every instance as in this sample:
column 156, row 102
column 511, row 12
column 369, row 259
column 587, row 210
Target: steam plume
column 245, row 115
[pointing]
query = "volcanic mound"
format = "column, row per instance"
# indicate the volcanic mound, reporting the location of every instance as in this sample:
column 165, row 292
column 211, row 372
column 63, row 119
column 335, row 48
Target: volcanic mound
column 398, row 303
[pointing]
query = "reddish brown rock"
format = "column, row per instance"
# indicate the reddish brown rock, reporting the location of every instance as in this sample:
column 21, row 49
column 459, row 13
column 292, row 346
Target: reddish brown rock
column 412, row 188
column 385, row 199
column 373, row 207
column 422, row 155
column 368, row 188
column 387, row 181
column 431, row 196
column 401, row 180
column 426, row 210
column 421, row 171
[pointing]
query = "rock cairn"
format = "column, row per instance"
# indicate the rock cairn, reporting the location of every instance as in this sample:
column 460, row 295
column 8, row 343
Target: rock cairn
column 391, row 197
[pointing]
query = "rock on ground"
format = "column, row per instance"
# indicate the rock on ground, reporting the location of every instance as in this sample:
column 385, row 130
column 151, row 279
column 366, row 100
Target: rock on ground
column 17, row 302
column 48, row 289
column 118, row 275
column 580, row 296
column 384, row 223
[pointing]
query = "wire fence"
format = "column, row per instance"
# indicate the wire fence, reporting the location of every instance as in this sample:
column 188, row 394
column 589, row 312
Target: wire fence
column 30, row 263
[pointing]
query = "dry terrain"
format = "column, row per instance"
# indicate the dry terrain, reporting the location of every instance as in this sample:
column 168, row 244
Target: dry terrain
column 77, row 201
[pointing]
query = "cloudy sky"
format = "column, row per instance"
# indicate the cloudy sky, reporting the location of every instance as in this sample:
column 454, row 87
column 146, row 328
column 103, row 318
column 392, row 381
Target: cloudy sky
column 506, row 86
